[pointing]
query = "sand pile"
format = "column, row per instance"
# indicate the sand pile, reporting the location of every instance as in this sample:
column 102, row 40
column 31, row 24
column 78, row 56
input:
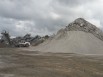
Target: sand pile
column 79, row 36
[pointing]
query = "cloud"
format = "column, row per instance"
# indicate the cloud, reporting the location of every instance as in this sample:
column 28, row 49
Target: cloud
column 72, row 3
column 46, row 16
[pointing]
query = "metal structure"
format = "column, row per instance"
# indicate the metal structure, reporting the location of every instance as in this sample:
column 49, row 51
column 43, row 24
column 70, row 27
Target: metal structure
column 6, row 37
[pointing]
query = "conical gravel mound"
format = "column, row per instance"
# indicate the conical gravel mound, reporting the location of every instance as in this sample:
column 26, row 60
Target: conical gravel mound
column 79, row 36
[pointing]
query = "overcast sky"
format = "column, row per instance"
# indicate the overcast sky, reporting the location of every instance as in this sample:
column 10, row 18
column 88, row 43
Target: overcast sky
column 46, row 16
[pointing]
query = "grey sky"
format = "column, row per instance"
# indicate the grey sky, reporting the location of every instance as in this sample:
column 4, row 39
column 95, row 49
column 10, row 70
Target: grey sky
column 46, row 16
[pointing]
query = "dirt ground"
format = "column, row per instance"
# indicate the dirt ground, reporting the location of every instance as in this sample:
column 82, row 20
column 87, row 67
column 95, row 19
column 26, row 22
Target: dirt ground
column 17, row 63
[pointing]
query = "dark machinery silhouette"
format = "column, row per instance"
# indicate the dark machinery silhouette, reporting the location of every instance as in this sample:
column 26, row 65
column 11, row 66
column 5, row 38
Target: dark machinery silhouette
column 6, row 37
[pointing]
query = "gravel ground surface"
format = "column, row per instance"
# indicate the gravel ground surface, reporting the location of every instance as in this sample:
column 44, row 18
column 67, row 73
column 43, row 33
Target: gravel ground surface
column 20, row 63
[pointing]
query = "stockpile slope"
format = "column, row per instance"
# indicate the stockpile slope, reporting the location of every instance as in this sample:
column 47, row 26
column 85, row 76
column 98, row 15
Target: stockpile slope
column 79, row 36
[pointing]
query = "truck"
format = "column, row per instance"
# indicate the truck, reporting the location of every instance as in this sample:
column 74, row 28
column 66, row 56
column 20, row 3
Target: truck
column 23, row 44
